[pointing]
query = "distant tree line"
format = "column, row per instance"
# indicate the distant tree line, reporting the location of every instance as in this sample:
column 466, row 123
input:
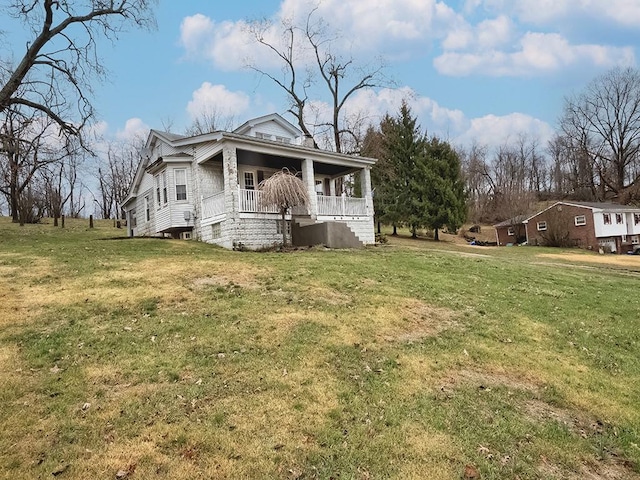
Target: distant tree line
column 594, row 155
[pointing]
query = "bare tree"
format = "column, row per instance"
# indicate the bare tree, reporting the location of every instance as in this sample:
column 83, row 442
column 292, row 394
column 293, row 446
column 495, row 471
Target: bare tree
column 55, row 71
column 307, row 54
column 210, row 120
column 283, row 190
column 603, row 122
column 28, row 144
column 115, row 174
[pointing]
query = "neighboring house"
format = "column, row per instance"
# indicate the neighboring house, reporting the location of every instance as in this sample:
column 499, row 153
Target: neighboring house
column 206, row 186
column 613, row 227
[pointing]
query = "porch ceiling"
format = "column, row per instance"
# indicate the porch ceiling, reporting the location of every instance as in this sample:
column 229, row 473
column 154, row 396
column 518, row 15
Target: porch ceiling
column 258, row 159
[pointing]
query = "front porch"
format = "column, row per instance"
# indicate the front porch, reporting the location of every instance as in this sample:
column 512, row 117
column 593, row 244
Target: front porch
column 249, row 201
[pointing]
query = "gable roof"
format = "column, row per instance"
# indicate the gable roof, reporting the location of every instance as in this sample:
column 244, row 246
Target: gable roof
column 272, row 117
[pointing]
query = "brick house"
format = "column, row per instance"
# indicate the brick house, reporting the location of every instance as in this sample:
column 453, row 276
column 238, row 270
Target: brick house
column 206, row 187
column 615, row 228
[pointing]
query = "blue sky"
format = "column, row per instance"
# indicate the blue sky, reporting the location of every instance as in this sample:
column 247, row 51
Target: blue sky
column 474, row 70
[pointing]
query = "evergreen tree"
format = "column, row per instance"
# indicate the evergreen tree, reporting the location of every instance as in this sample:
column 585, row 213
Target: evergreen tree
column 446, row 203
column 417, row 182
column 397, row 145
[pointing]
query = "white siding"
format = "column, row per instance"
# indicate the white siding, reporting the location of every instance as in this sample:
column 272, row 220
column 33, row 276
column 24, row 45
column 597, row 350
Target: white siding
column 273, row 129
column 612, row 230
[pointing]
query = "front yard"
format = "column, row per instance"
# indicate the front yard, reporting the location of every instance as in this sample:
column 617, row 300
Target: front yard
column 146, row 358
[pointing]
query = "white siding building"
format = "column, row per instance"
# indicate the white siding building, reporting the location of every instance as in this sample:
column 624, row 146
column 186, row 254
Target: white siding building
column 206, row 187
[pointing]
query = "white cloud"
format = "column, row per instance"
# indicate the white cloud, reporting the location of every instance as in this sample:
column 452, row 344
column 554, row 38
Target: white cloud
column 361, row 27
column 217, row 99
column 538, row 53
column 134, row 129
column 624, row 12
column 493, row 130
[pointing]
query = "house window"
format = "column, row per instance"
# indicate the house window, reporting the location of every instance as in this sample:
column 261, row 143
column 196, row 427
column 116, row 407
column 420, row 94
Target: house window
column 216, row 230
column 249, row 182
column 158, row 198
column 186, row 235
column 542, row 226
column 180, row 177
column 580, row 220
column 279, row 227
column 636, row 218
column 147, row 213
column 619, row 218
column 164, row 187
column 134, row 220
column 607, row 218
column 511, row 232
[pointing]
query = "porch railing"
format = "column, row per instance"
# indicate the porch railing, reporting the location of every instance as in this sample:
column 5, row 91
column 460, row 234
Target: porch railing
column 213, row 205
column 341, row 206
column 250, row 202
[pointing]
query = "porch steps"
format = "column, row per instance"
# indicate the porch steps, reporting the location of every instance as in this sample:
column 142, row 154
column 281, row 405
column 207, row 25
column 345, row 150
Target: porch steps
column 308, row 231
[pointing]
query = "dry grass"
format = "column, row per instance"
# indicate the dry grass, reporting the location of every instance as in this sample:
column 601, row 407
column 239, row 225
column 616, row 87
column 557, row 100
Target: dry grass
column 177, row 360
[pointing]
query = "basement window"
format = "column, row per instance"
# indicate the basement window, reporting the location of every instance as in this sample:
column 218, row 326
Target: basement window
column 580, row 220
column 216, row 230
column 279, row 227
column 542, row 226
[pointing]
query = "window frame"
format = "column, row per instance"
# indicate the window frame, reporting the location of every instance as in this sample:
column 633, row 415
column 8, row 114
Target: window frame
column 541, row 225
column 147, row 209
column 511, row 232
column 606, row 218
column 253, row 180
column 165, row 198
column 156, row 178
column 182, row 171
column 580, row 223
column 619, row 219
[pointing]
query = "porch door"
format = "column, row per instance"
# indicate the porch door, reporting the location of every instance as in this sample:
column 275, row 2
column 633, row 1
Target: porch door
column 249, row 181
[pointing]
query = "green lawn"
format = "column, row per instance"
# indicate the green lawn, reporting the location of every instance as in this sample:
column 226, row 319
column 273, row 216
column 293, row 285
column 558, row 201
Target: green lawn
column 171, row 359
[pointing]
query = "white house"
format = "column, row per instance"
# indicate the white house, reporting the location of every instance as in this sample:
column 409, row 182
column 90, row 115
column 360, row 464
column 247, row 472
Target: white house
column 205, row 186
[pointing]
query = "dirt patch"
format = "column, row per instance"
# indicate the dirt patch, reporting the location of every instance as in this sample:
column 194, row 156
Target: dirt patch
column 488, row 379
column 412, row 321
column 627, row 261
column 578, row 423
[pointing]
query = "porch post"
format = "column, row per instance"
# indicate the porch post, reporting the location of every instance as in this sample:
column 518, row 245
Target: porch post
column 231, row 206
column 365, row 181
column 332, row 187
column 308, row 177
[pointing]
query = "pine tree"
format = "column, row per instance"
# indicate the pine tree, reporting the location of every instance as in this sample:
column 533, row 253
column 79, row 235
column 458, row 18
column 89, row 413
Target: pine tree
column 446, row 202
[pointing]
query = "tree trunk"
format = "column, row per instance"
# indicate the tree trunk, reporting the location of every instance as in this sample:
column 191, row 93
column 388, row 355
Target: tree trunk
column 435, row 235
column 379, row 231
column 395, row 231
column 284, row 227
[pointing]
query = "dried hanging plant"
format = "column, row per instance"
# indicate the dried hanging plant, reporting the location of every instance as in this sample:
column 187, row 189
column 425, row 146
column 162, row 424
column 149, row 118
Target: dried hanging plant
column 283, row 190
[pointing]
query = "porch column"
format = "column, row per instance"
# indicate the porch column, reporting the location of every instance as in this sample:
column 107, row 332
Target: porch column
column 332, row 187
column 231, row 205
column 308, row 177
column 365, row 183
